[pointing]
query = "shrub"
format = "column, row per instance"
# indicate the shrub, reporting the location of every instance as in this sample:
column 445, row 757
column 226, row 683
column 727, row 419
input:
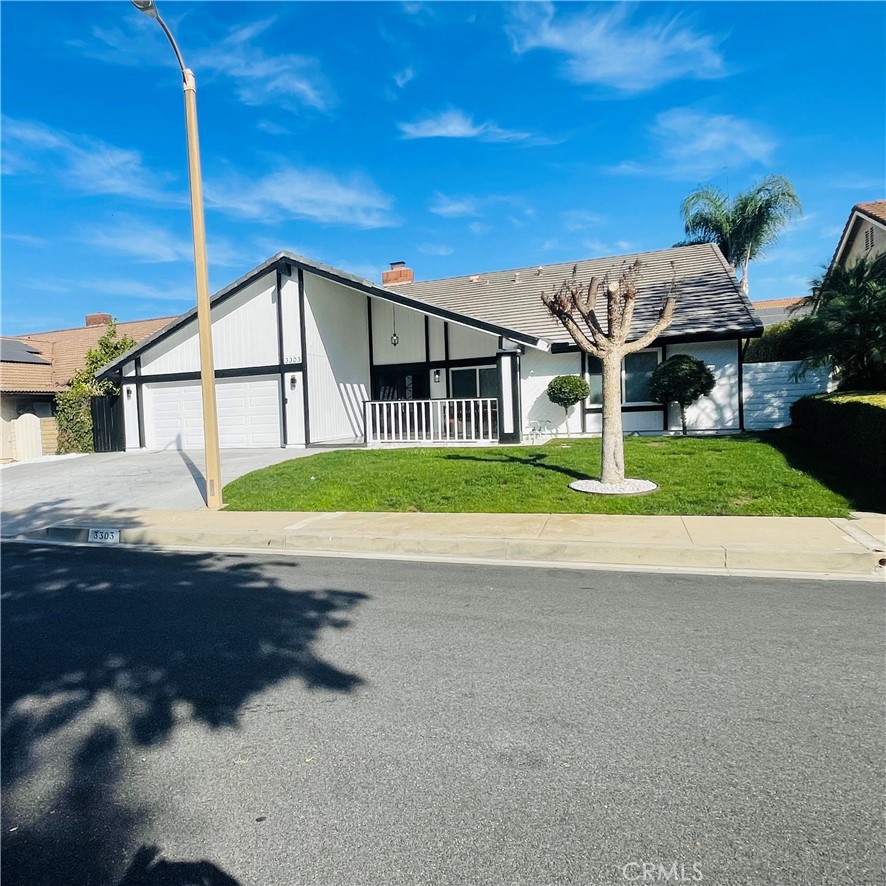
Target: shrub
column 849, row 427
column 567, row 390
column 74, row 405
column 681, row 379
column 781, row 341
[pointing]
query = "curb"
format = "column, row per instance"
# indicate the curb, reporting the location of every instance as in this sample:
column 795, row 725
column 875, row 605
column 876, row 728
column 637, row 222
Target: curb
column 706, row 557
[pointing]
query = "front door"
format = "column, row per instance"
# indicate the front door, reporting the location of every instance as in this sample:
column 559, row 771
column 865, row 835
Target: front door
column 401, row 384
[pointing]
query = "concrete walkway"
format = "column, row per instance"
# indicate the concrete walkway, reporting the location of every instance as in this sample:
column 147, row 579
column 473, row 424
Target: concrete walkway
column 793, row 545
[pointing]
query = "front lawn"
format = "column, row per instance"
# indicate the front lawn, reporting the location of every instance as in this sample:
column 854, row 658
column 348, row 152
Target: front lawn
column 759, row 474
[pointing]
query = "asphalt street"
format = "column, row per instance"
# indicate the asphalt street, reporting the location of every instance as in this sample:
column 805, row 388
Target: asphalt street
column 194, row 718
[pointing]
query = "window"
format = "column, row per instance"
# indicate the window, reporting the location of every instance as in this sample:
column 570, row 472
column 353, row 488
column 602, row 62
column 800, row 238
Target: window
column 474, row 382
column 636, row 374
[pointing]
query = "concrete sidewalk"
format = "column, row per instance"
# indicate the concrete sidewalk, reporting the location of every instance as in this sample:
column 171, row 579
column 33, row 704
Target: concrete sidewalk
column 781, row 544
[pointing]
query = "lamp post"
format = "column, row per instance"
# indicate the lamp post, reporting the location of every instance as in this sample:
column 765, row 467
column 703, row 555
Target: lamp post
column 201, row 271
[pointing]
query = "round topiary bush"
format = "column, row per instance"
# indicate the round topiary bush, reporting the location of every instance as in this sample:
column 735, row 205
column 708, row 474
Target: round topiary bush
column 567, row 390
column 681, row 379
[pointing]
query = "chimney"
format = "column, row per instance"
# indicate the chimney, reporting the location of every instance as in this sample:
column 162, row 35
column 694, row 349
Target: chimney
column 399, row 273
column 98, row 319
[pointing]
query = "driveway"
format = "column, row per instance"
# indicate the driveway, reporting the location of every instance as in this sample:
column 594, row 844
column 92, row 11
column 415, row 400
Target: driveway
column 47, row 492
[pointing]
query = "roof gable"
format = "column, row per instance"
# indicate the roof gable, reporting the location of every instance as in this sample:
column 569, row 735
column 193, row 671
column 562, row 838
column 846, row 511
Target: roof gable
column 871, row 212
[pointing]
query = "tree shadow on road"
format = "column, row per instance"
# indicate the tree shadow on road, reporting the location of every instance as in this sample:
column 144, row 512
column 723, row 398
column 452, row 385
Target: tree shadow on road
column 104, row 651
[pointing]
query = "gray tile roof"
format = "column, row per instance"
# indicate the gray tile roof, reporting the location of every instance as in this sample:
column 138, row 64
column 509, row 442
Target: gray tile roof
column 709, row 301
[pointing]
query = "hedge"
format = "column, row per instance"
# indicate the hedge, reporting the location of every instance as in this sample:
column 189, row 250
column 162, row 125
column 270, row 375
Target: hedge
column 850, row 427
column 780, row 341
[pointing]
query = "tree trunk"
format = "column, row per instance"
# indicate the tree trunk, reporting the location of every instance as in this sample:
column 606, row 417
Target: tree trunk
column 613, row 460
column 744, row 278
column 683, row 418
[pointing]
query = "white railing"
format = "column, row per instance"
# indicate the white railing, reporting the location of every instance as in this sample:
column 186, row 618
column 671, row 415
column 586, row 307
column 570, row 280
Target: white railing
column 431, row 421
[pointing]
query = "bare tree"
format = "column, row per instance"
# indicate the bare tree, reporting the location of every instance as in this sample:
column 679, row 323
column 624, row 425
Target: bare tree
column 610, row 346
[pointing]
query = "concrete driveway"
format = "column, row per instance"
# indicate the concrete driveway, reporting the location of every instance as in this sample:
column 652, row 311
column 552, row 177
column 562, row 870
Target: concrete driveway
column 49, row 491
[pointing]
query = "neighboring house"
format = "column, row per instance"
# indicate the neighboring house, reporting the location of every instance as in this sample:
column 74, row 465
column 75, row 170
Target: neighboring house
column 306, row 354
column 36, row 366
column 864, row 235
column 778, row 310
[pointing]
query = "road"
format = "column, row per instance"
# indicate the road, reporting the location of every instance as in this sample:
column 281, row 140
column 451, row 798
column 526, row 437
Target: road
column 183, row 718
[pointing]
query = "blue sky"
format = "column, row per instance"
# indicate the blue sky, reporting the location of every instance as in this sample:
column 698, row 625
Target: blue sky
column 459, row 137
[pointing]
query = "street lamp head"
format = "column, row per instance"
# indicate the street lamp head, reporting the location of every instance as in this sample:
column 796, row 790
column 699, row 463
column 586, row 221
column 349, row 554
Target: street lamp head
column 148, row 7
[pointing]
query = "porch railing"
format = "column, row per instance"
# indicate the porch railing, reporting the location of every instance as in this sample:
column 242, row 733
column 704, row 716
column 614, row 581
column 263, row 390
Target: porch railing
column 431, row 421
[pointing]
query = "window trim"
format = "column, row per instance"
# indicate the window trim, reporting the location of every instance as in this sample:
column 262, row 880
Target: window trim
column 649, row 404
column 476, row 368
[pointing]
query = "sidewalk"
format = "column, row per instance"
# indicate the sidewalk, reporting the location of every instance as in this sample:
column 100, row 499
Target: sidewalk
column 781, row 544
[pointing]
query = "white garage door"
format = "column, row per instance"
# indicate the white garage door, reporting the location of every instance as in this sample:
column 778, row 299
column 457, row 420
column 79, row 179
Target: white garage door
column 248, row 414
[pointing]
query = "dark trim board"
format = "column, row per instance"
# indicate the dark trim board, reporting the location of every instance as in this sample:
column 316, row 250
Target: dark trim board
column 238, row 372
column 561, row 347
column 596, row 410
column 740, row 355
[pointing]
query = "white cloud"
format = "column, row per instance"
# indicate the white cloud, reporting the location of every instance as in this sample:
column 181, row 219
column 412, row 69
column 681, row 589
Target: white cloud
column 579, row 219
column 602, row 249
column 124, row 288
column 456, row 124
column 606, row 47
column 286, row 80
column 140, row 240
column 454, row 207
column 435, row 249
column 260, row 78
column 86, row 164
column 696, row 146
column 479, row 228
column 25, row 239
column 401, row 78
column 303, row 193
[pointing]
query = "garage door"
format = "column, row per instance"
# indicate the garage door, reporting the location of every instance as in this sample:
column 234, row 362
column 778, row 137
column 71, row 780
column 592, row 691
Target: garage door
column 248, row 414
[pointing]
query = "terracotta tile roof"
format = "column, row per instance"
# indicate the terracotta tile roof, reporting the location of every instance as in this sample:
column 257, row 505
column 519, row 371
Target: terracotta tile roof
column 66, row 349
column 776, row 303
column 876, row 209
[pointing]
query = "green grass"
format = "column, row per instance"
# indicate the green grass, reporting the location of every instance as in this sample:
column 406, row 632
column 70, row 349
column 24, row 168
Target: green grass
column 761, row 474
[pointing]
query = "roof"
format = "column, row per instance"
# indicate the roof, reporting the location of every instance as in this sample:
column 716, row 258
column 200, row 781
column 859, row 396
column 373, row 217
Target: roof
column 875, row 211
column 61, row 352
column 777, row 310
column 710, row 303
column 709, row 300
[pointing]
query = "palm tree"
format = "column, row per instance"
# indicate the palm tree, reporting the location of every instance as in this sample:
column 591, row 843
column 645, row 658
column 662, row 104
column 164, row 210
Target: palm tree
column 744, row 227
column 846, row 328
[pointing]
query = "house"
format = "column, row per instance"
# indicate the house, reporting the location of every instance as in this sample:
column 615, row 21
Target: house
column 35, row 367
column 864, row 235
column 306, row 354
column 779, row 310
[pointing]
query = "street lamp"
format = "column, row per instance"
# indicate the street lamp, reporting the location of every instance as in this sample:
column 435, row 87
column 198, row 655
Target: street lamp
column 201, row 271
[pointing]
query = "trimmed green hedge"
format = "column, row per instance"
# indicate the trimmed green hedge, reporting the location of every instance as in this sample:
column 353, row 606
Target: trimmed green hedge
column 850, row 427
column 781, row 341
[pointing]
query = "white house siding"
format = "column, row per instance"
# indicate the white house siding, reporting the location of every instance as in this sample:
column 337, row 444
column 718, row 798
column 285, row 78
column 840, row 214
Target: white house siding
column 436, row 339
column 719, row 411
column 291, row 320
column 294, row 395
column 337, row 359
column 769, row 392
column 465, row 343
column 244, row 333
column 410, row 326
column 536, row 371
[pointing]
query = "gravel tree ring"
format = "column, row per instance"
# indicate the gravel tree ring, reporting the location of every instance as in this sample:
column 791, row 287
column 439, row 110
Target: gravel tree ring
column 625, row 487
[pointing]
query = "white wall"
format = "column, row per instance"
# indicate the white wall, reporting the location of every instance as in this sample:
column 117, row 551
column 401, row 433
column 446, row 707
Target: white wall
column 410, row 332
column 769, row 392
column 244, row 333
column 465, row 342
column 719, row 411
column 130, row 415
column 436, row 338
column 291, row 322
column 337, row 358
column 536, row 371
column 294, row 392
